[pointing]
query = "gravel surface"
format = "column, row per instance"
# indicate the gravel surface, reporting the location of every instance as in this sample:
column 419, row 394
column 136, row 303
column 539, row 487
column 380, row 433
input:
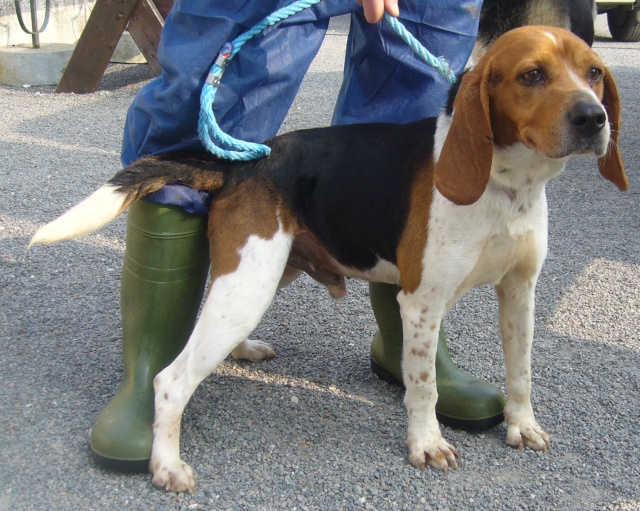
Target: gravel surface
column 313, row 429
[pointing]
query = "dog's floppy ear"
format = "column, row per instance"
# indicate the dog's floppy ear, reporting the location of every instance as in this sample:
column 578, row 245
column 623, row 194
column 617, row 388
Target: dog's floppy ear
column 611, row 165
column 462, row 171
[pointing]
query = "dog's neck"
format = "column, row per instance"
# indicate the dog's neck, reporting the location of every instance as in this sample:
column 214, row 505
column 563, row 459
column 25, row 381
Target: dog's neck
column 518, row 173
column 518, row 178
column 521, row 172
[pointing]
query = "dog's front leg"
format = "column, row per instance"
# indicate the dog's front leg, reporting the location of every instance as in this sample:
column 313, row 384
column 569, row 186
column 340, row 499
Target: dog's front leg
column 420, row 326
column 516, row 308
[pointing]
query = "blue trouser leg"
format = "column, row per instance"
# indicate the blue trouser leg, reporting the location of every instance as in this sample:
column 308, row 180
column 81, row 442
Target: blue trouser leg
column 258, row 86
column 257, row 89
column 383, row 79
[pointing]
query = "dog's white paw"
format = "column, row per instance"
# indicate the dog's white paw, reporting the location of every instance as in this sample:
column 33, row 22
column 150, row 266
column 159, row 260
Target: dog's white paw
column 527, row 433
column 254, row 351
column 176, row 476
column 438, row 453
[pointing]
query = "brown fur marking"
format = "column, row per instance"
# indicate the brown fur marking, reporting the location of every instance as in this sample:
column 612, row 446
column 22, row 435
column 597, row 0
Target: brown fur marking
column 309, row 255
column 414, row 238
column 250, row 209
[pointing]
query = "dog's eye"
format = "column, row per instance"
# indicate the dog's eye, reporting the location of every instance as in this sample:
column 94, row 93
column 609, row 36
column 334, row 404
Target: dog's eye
column 595, row 74
column 533, row 76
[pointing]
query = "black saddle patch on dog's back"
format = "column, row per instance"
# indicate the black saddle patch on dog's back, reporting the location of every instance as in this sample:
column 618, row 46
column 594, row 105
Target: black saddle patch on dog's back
column 350, row 185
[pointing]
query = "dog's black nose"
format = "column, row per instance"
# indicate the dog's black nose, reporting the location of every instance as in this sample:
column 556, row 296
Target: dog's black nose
column 588, row 117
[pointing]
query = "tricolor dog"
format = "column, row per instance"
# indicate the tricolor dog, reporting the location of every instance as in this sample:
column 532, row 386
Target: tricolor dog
column 437, row 207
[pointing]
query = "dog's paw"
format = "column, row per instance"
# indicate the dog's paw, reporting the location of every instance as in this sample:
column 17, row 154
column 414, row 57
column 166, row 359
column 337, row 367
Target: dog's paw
column 437, row 453
column 527, row 433
column 254, row 351
column 176, row 476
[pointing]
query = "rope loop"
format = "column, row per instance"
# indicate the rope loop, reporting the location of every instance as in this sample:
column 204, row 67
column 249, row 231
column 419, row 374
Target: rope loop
column 225, row 146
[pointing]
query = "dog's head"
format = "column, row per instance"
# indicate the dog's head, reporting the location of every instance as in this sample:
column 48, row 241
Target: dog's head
column 538, row 86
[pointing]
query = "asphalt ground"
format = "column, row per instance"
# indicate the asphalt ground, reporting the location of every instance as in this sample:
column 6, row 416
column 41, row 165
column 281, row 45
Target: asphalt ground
column 313, row 429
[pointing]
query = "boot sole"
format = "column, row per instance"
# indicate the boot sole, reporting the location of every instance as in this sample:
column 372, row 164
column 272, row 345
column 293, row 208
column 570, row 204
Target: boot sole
column 122, row 466
column 470, row 425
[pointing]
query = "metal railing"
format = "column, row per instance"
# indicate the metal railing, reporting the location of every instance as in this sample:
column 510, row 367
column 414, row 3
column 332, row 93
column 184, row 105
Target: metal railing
column 35, row 30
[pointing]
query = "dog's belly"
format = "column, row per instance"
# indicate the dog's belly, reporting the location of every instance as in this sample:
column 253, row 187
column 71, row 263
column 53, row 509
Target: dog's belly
column 309, row 255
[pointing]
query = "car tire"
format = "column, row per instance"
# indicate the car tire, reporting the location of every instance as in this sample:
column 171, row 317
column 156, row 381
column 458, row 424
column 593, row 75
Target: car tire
column 624, row 24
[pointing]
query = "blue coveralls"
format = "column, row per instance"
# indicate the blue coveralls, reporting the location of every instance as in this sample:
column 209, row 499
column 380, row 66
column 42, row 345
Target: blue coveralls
column 383, row 80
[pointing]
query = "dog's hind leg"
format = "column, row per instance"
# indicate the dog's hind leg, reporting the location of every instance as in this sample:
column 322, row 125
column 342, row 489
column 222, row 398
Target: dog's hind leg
column 255, row 350
column 233, row 308
column 245, row 279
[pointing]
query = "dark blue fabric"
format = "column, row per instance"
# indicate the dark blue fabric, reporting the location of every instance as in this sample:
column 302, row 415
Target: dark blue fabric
column 383, row 81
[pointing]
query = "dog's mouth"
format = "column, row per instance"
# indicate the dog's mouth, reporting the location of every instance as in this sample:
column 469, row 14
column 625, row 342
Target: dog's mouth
column 596, row 145
column 571, row 144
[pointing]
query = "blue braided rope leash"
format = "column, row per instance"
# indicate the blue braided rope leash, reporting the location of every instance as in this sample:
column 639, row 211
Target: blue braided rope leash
column 214, row 139
column 438, row 63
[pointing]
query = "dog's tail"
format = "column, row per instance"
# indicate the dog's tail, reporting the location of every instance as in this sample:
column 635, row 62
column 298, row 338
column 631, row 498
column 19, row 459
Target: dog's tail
column 127, row 186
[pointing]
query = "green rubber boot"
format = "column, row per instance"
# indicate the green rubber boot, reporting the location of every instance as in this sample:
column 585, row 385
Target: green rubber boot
column 163, row 280
column 464, row 402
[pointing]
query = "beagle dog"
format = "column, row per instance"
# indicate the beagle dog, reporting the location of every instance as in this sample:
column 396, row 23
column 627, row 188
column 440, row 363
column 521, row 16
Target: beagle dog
column 437, row 206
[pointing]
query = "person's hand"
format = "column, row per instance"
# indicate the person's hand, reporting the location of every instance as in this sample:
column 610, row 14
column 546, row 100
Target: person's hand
column 374, row 9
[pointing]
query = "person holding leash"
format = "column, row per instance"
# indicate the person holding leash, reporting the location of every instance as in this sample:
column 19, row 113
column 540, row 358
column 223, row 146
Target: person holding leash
column 166, row 258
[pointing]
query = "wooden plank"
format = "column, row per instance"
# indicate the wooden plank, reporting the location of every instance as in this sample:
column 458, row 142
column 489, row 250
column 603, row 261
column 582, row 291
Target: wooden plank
column 145, row 27
column 96, row 45
column 164, row 6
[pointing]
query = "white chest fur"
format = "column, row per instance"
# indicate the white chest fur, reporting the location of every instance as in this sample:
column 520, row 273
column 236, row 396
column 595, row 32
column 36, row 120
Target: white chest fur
column 475, row 245
column 478, row 244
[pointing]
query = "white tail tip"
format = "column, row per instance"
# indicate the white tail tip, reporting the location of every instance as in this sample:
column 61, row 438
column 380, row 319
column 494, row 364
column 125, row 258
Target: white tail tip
column 96, row 211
